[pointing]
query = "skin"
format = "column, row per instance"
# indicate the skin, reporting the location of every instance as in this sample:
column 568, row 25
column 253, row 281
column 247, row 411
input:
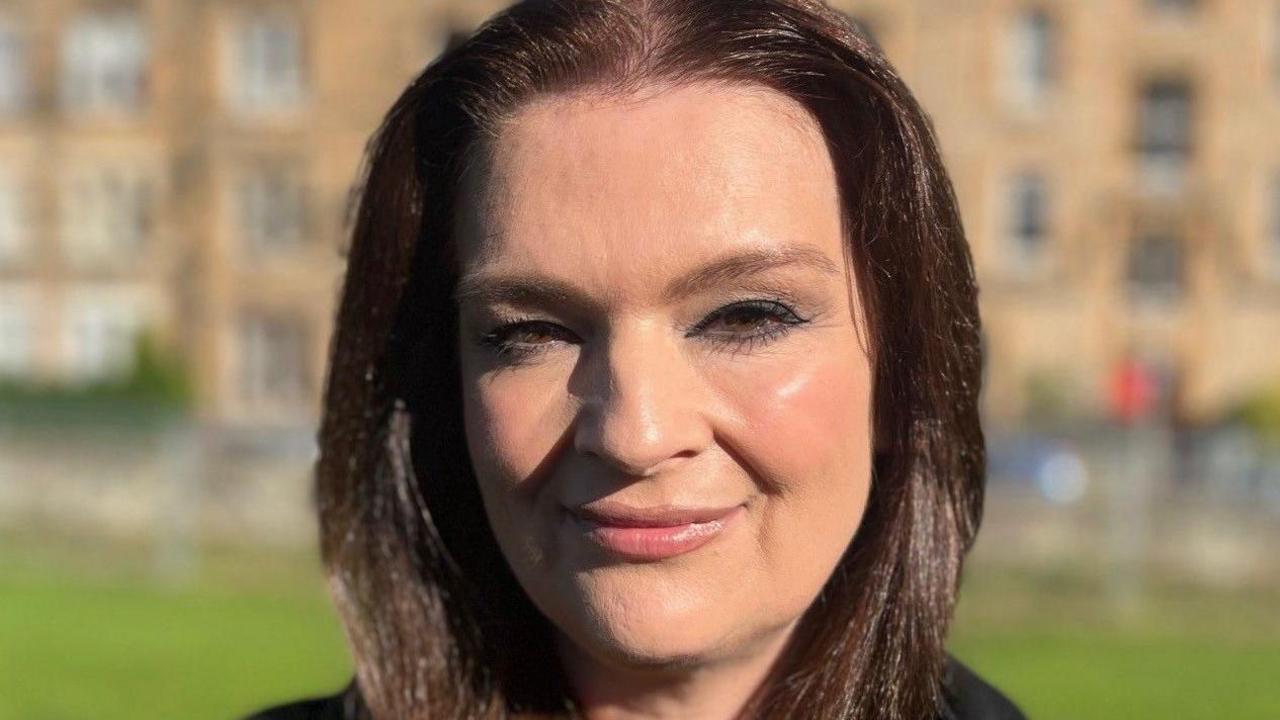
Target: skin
column 616, row 389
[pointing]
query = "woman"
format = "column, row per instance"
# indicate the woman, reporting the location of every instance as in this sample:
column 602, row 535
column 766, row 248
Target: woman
column 654, row 386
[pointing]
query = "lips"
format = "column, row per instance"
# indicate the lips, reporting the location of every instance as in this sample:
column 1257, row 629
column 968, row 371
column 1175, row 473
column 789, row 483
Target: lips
column 647, row 534
column 616, row 514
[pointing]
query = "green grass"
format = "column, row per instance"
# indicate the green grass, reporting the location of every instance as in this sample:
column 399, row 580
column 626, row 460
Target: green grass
column 1061, row 649
column 1056, row 674
column 91, row 634
column 79, row 644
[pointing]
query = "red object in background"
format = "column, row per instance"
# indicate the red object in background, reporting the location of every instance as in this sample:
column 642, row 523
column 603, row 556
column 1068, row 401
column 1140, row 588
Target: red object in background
column 1133, row 391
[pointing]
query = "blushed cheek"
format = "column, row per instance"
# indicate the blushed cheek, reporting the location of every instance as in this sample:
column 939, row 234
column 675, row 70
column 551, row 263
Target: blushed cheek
column 813, row 414
column 807, row 427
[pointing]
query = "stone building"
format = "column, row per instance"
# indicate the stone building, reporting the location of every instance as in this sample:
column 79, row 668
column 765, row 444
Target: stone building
column 183, row 167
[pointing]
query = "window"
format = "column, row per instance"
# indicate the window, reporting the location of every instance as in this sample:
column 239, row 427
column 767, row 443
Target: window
column 1027, row 220
column 101, row 333
column 273, row 361
column 13, row 69
column 1155, row 267
column 265, row 70
column 104, row 60
column 13, row 217
column 1164, row 135
column 106, row 214
column 17, row 331
column 271, row 209
column 1030, row 63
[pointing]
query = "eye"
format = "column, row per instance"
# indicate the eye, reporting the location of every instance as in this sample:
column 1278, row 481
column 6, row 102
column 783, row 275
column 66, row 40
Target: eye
column 749, row 324
column 522, row 339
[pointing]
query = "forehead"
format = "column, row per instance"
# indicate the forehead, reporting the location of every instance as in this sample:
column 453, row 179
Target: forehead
column 619, row 192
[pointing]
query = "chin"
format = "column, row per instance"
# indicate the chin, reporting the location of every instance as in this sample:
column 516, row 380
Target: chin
column 651, row 647
column 644, row 629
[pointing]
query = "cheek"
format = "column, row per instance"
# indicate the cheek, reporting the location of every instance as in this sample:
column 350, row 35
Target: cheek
column 810, row 422
column 511, row 426
column 805, row 428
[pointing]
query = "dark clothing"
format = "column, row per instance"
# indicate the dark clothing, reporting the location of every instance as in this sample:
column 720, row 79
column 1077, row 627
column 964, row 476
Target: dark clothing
column 324, row 708
column 968, row 697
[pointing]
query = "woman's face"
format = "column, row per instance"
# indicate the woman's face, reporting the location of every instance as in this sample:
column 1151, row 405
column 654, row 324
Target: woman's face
column 667, row 396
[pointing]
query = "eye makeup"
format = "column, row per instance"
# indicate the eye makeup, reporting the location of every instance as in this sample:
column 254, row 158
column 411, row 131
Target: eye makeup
column 738, row 327
column 765, row 321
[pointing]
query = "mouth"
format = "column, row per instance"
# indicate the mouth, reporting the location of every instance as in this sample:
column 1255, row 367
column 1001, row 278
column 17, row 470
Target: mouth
column 654, row 533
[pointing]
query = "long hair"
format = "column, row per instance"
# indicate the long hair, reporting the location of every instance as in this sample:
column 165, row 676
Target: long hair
column 437, row 623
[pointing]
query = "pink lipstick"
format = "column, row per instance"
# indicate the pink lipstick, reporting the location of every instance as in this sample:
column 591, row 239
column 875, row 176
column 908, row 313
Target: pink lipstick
column 653, row 533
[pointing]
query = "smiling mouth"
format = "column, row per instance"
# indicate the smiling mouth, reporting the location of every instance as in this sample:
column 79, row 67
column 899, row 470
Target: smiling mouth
column 651, row 534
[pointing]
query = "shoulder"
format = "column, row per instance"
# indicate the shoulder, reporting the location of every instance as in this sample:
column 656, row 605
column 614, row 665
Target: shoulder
column 969, row 697
column 338, row 706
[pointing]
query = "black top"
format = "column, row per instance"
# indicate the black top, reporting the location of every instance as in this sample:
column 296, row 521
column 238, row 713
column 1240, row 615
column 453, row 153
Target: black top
column 968, row 697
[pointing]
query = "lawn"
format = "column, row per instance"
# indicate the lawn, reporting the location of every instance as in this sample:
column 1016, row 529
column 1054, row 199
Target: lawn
column 77, row 645
column 1058, row 674
column 98, row 638
column 1061, row 649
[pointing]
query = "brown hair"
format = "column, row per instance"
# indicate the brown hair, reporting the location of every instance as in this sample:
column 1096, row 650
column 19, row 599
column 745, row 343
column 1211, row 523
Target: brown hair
column 437, row 623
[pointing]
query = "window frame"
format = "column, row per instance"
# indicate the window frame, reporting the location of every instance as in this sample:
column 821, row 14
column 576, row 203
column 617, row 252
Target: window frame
column 1031, row 63
column 1165, row 133
column 251, row 87
column 1026, row 205
column 262, row 189
column 105, row 62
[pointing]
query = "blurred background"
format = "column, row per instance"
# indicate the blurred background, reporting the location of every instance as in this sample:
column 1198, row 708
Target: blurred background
column 175, row 177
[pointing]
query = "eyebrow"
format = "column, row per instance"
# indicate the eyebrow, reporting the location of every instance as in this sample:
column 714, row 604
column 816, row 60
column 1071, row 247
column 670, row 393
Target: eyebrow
column 533, row 289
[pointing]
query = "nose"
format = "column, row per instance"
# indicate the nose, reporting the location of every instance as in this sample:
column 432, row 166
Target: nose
column 640, row 407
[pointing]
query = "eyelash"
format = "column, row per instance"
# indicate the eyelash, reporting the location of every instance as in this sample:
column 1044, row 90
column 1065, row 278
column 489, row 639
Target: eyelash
column 499, row 340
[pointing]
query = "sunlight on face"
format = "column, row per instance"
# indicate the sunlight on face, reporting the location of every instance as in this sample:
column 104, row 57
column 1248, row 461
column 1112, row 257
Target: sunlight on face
column 667, row 399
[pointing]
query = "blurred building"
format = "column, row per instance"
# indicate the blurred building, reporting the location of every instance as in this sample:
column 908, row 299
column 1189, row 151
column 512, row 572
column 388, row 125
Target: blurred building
column 183, row 167
column 1118, row 162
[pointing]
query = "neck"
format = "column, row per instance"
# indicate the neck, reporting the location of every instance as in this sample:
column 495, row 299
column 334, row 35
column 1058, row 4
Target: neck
column 723, row 688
